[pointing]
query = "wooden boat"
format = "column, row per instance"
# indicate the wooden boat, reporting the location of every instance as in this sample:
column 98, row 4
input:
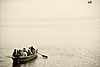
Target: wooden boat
column 20, row 59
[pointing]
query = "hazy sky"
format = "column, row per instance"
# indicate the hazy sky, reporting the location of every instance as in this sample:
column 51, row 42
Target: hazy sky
column 29, row 10
column 70, row 20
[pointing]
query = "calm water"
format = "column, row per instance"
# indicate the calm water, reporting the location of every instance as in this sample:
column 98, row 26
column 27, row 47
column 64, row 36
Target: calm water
column 67, row 44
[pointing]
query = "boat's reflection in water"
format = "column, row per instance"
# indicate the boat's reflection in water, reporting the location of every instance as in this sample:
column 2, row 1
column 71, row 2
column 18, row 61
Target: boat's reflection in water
column 26, row 64
column 16, row 65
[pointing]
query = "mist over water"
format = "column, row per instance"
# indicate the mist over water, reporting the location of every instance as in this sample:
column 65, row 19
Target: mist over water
column 74, row 43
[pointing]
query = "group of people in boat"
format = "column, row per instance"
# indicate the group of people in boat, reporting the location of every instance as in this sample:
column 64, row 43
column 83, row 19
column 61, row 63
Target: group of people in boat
column 23, row 52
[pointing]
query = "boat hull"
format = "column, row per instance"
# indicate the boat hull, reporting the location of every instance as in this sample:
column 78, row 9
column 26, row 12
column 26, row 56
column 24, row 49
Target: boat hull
column 19, row 60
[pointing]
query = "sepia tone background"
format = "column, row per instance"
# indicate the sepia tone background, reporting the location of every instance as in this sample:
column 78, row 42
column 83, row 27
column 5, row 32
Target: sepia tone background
column 68, row 31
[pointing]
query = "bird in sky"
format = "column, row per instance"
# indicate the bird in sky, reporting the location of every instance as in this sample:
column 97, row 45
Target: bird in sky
column 89, row 2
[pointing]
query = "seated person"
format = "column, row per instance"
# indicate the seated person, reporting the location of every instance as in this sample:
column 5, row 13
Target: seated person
column 32, row 50
column 24, row 52
column 29, row 52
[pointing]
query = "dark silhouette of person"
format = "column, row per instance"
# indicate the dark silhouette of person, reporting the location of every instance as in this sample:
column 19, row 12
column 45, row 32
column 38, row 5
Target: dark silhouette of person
column 14, row 53
column 32, row 49
column 89, row 2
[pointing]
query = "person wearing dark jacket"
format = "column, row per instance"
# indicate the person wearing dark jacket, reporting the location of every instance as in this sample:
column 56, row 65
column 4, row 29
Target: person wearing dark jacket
column 14, row 53
column 32, row 50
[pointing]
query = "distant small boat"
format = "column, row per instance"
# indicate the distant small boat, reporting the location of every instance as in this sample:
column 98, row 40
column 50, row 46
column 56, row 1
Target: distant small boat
column 20, row 60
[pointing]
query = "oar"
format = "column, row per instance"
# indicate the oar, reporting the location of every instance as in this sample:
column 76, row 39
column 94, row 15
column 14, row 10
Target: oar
column 8, row 56
column 44, row 56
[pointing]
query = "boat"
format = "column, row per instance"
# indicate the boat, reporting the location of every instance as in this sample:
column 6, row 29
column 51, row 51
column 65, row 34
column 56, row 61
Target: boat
column 20, row 60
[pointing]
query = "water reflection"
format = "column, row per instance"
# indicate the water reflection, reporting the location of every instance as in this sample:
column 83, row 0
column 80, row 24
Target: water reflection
column 15, row 65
